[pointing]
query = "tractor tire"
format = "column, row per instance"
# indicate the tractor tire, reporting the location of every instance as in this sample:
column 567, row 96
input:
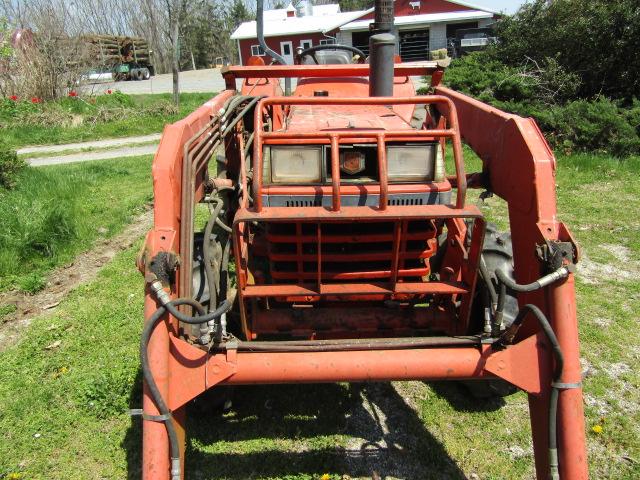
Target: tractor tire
column 497, row 252
column 146, row 75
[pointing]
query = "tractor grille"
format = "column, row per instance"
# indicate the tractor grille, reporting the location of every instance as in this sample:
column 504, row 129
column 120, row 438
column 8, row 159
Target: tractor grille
column 302, row 253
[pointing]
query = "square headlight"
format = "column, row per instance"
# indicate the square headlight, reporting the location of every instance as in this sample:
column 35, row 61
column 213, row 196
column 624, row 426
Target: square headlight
column 297, row 164
column 411, row 163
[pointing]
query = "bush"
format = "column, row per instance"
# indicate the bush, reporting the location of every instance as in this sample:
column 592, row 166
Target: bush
column 547, row 93
column 10, row 167
column 484, row 76
column 593, row 38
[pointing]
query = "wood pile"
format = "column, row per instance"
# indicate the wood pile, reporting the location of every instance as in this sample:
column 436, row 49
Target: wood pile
column 112, row 49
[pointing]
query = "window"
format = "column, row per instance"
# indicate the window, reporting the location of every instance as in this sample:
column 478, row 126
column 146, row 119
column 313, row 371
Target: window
column 328, row 41
column 286, row 49
column 257, row 51
column 304, row 44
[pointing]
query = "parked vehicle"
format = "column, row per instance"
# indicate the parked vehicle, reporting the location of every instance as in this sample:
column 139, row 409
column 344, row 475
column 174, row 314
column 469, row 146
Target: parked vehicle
column 127, row 58
column 470, row 40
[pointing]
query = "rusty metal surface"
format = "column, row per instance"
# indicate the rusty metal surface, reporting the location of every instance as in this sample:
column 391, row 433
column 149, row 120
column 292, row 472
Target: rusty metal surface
column 521, row 168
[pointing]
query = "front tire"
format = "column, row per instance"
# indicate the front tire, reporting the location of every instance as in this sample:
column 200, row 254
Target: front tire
column 497, row 253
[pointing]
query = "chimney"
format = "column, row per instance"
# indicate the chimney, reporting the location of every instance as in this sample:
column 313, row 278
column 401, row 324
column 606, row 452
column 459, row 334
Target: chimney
column 291, row 11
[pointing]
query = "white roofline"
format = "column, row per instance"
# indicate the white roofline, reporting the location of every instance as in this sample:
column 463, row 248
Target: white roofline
column 427, row 18
column 356, row 16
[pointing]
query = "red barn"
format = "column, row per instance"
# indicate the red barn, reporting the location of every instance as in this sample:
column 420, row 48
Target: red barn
column 420, row 26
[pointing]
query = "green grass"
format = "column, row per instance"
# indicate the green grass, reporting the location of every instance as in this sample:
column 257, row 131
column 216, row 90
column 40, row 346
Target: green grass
column 74, row 398
column 78, row 120
column 56, row 212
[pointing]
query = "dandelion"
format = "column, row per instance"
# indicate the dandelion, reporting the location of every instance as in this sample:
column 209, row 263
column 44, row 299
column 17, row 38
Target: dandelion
column 597, row 429
column 326, row 476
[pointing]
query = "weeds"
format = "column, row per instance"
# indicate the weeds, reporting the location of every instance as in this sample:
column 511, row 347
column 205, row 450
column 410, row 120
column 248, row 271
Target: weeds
column 79, row 119
column 55, row 212
column 10, row 167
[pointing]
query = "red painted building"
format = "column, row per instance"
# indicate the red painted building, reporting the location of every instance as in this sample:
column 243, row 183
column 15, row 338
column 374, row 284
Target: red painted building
column 420, row 26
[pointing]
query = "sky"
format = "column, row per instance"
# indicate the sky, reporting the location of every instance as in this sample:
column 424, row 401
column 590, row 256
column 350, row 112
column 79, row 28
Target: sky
column 508, row 6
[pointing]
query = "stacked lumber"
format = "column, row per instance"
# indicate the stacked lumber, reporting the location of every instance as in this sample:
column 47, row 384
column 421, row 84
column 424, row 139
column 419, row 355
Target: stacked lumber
column 113, row 49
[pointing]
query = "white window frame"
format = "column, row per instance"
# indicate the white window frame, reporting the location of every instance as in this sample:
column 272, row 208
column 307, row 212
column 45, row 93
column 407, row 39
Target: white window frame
column 257, row 48
column 328, row 41
column 307, row 41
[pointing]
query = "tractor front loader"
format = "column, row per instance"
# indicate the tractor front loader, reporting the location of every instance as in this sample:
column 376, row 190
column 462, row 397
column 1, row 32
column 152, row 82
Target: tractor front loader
column 338, row 246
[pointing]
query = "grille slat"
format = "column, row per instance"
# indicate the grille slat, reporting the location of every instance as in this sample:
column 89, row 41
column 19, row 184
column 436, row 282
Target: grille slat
column 348, row 251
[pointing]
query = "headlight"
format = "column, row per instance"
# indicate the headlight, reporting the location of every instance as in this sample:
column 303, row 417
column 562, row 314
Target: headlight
column 412, row 163
column 295, row 164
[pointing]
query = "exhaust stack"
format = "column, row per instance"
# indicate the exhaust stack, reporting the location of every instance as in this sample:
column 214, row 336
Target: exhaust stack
column 382, row 50
column 263, row 44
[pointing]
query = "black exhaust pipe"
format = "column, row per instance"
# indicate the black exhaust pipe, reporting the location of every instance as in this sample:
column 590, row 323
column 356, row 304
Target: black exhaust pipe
column 260, row 32
column 382, row 50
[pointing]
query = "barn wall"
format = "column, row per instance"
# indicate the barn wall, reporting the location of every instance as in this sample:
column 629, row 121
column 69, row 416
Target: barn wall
column 403, row 8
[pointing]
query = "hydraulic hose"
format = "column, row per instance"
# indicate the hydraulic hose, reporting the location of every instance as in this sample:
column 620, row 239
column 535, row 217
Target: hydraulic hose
column 560, row 273
column 165, row 301
column 206, row 252
column 506, row 282
column 507, row 338
column 152, row 387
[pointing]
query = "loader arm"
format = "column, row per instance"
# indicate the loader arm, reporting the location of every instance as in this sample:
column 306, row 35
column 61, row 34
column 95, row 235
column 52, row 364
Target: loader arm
column 519, row 167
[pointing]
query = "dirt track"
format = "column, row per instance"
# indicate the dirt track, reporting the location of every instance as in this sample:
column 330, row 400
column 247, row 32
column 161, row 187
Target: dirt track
column 61, row 281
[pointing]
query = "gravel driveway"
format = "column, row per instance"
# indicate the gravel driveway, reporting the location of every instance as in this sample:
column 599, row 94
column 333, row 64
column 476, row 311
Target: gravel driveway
column 208, row 80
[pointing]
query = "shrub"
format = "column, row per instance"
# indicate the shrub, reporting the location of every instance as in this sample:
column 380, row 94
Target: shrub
column 483, row 75
column 547, row 93
column 593, row 38
column 439, row 54
column 10, row 167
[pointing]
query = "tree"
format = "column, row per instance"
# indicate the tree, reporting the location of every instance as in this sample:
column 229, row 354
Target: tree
column 596, row 39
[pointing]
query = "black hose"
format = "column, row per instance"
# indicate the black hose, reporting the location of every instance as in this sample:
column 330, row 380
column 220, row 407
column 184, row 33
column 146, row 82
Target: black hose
column 484, row 273
column 223, row 308
column 152, row 387
column 538, row 284
column 206, row 253
column 557, row 375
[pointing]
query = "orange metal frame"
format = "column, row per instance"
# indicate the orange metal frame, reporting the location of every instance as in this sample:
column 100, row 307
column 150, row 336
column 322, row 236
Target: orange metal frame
column 521, row 169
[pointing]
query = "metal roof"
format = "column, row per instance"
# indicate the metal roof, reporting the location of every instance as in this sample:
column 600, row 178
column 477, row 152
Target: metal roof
column 296, row 25
column 422, row 19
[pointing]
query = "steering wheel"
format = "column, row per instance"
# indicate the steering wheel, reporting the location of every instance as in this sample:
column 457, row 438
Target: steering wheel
column 311, row 51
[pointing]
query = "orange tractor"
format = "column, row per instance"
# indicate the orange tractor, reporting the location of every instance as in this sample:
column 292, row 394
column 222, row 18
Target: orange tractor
column 338, row 246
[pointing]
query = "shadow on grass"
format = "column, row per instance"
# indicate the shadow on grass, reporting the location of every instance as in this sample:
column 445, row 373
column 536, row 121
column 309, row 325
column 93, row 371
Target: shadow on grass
column 462, row 400
column 302, row 431
column 132, row 443
column 288, row 431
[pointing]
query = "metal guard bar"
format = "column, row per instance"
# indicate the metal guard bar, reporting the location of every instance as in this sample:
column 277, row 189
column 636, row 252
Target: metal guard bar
column 230, row 73
column 380, row 137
